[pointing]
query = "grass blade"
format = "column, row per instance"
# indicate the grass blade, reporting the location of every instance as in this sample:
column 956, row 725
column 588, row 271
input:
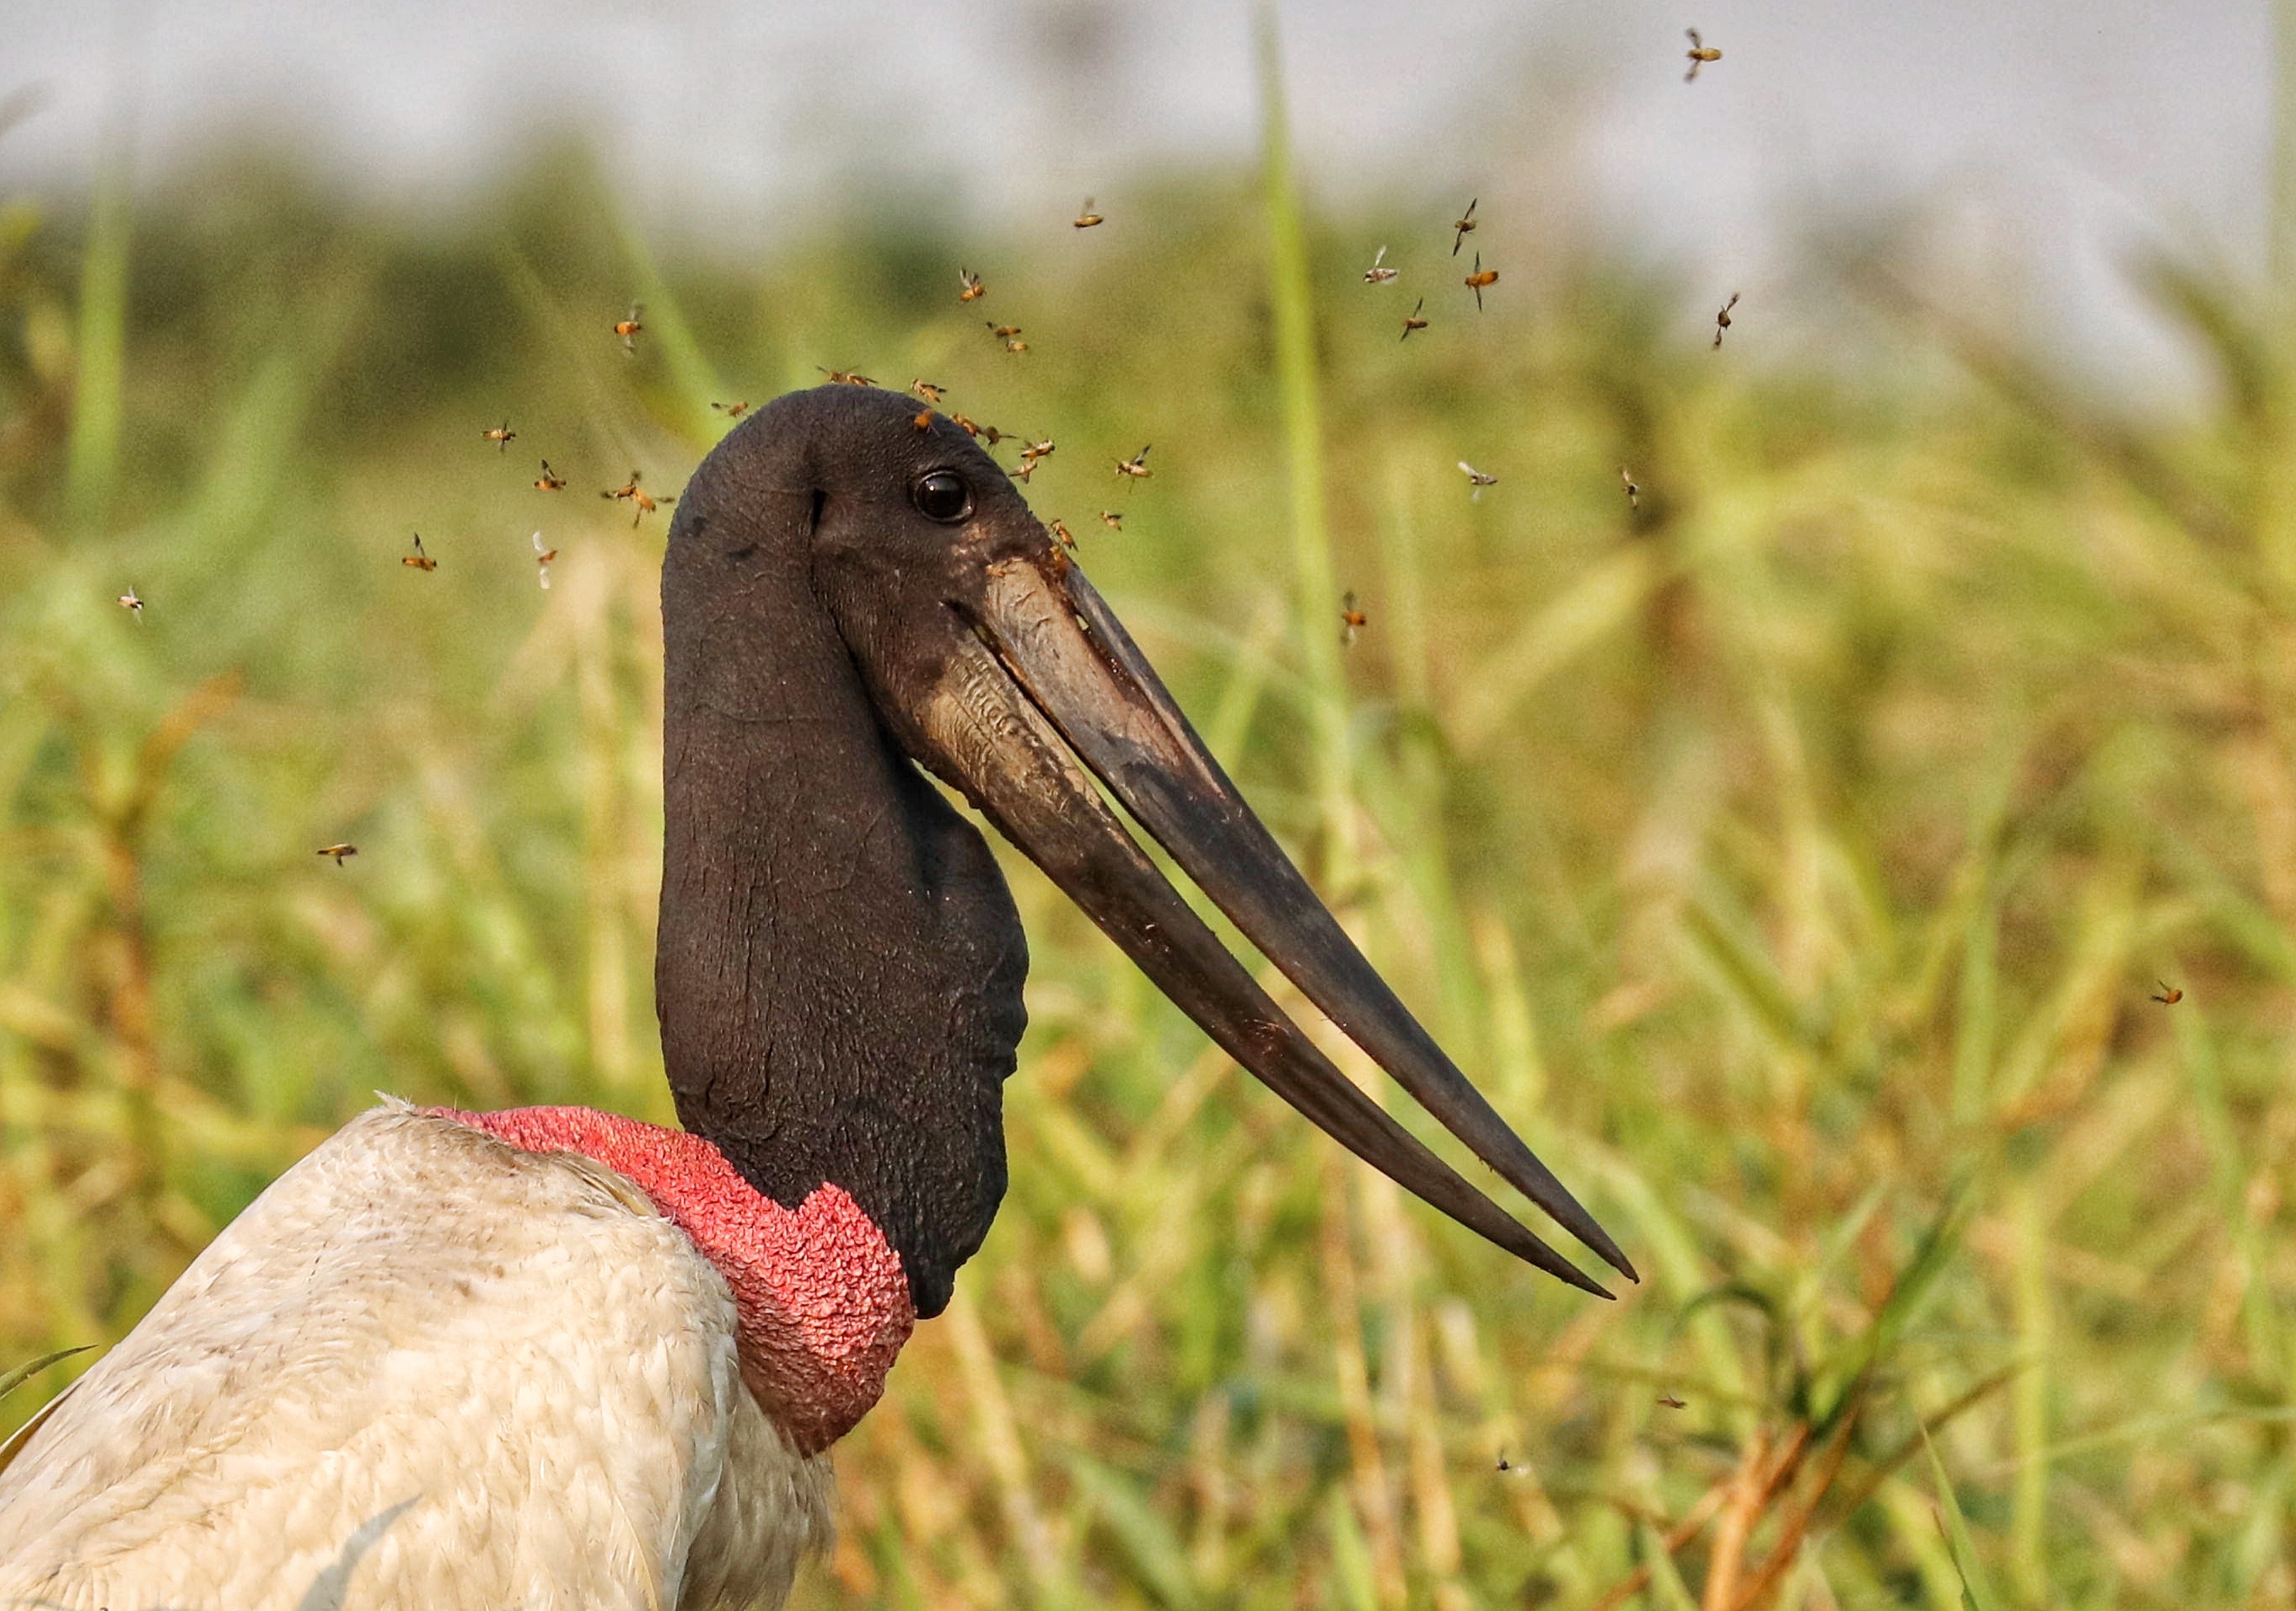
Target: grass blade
column 10, row 1381
column 1313, row 571
column 1976, row 1588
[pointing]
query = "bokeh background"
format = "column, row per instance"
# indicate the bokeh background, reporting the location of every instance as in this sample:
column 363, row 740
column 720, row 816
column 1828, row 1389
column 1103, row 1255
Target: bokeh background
column 1794, row 851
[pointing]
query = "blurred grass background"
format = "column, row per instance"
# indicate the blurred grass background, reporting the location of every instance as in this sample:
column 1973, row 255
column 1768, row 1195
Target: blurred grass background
column 1791, row 853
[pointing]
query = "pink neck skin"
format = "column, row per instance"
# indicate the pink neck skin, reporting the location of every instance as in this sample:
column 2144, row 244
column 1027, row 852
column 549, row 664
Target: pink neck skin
column 823, row 1304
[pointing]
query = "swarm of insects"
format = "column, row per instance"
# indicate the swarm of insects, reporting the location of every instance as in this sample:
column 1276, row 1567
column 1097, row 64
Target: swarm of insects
column 732, row 411
column 549, row 480
column 2169, row 994
column 1085, row 218
column 1351, row 620
column 838, row 377
column 1477, row 480
column 643, row 502
column 1114, row 519
column 1377, row 275
column 1634, row 493
column 1481, row 277
column 1722, row 319
column 418, row 560
column 133, row 605
column 542, row 558
column 628, row 329
column 500, row 436
column 337, row 851
column 1463, row 226
column 1700, row 54
column 968, row 288
column 1136, row 466
column 1412, row 320
column 927, row 390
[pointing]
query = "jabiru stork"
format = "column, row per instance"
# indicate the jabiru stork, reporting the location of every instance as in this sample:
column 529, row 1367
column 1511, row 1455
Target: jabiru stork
column 552, row 1357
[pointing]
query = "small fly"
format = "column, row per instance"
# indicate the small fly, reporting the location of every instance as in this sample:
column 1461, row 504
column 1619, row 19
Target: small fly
column 628, row 329
column 1376, row 274
column 548, row 481
column 1668, row 1399
column 1060, row 529
column 1477, row 480
column 1114, row 519
column 642, row 501
column 1412, row 320
column 418, row 560
column 1700, row 53
column 1009, row 334
column 133, row 605
column 1087, row 218
column 968, row 288
column 337, row 851
column 2169, row 994
column 501, row 436
column 922, row 419
column 1136, row 466
column 838, row 377
column 1481, row 277
column 732, row 411
column 542, row 558
column 1351, row 622
column 1634, row 493
column 927, row 390
column 1722, row 319
column 1463, row 226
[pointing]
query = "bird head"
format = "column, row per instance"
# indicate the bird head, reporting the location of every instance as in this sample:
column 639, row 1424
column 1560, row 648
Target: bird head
column 847, row 598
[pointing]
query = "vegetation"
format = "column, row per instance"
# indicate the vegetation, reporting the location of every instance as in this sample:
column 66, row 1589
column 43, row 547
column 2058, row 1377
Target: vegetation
column 1793, row 854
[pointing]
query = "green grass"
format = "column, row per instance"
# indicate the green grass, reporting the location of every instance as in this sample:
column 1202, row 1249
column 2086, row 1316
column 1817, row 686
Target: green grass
column 1791, row 856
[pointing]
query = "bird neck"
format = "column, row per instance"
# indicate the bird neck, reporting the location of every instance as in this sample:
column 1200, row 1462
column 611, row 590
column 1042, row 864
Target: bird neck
column 821, row 1301
column 839, row 962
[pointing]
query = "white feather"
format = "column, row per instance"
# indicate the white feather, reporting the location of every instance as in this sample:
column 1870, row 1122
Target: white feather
column 423, row 1370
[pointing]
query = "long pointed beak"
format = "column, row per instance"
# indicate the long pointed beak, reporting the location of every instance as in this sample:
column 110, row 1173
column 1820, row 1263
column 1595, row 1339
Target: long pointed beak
column 1085, row 678
column 986, row 735
column 1083, row 670
column 1046, row 675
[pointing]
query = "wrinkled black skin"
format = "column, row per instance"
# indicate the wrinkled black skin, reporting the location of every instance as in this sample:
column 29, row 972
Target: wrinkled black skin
column 839, row 966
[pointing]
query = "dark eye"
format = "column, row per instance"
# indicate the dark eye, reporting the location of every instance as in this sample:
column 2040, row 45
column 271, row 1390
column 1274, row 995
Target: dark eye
column 943, row 495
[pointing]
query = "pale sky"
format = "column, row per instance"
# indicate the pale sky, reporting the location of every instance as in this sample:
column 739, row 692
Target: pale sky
column 2054, row 131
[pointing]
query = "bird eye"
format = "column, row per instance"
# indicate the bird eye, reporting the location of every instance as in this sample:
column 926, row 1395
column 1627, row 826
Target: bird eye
column 943, row 495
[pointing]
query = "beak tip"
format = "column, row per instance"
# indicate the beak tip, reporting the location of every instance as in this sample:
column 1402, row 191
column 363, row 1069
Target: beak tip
column 1587, row 1284
column 1611, row 1254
